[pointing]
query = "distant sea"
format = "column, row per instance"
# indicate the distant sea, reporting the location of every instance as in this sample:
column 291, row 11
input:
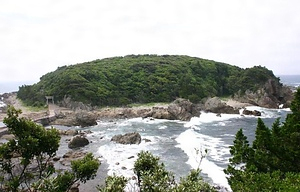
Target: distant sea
column 8, row 87
column 290, row 80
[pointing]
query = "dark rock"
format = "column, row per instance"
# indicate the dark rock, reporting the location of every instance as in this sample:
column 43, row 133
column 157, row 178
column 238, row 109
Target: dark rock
column 128, row 138
column 56, row 158
column 146, row 140
column 74, row 189
column 183, row 109
column 248, row 112
column 78, row 141
column 131, row 157
column 123, row 168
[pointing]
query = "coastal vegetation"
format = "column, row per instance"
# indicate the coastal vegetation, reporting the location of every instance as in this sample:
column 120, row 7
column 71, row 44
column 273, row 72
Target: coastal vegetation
column 121, row 81
column 272, row 162
column 25, row 161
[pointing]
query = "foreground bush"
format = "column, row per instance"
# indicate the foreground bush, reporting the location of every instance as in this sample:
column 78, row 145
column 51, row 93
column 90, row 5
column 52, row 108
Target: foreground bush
column 152, row 176
column 25, row 162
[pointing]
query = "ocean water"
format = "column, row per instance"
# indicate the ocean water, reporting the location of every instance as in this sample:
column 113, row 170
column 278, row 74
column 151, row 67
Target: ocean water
column 179, row 144
column 290, row 80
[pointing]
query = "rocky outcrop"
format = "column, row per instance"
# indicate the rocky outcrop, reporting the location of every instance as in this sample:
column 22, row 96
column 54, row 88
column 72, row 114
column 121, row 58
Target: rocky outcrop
column 85, row 119
column 249, row 112
column 271, row 95
column 79, row 118
column 74, row 105
column 78, row 141
column 180, row 109
column 128, row 138
column 215, row 105
column 159, row 113
column 183, row 109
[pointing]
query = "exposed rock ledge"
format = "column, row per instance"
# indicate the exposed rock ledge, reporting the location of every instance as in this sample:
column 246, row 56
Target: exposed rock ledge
column 180, row 109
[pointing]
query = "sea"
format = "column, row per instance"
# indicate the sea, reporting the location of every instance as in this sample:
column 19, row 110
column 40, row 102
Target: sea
column 203, row 142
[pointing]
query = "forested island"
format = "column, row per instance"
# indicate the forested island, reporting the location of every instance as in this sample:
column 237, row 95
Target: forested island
column 119, row 81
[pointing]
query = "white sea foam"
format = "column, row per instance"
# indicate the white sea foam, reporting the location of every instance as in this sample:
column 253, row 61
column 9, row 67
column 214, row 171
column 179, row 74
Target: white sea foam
column 192, row 143
column 120, row 157
column 209, row 118
column 2, row 104
column 265, row 112
column 150, row 120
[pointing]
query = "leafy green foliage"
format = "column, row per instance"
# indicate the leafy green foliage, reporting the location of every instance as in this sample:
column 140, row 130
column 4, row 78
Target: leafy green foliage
column 26, row 157
column 86, row 168
column 193, row 183
column 152, row 176
column 25, row 161
column 144, row 79
column 114, row 184
column 272, row 163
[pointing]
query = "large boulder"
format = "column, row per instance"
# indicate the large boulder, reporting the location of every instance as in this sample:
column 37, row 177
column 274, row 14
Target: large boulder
column 78, row 141
column 215, row 105
column 128, row 138
column 85, row 119
column 183, row 109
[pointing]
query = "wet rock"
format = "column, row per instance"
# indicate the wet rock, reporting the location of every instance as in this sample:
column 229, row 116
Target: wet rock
column 146, row 140
column 128, row 138
column 78, row 141
column 249, row 112
column 56, row 158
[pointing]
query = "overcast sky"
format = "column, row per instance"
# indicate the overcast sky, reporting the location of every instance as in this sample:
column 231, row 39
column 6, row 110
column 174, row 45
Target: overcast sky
column 38, row 36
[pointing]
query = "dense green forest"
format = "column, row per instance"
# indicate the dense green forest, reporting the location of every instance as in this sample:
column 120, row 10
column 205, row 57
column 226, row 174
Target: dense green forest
column 144, row 79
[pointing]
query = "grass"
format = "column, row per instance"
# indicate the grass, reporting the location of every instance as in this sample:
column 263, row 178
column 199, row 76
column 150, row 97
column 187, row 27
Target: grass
column 33, row 108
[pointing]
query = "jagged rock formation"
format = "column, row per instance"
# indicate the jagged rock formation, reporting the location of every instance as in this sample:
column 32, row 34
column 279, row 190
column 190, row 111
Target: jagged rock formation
column 183, row 109
column 271, row 95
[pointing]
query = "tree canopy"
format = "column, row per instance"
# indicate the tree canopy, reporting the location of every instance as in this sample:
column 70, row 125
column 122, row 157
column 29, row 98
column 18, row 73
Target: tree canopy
column 144, row 79
column 272, row 163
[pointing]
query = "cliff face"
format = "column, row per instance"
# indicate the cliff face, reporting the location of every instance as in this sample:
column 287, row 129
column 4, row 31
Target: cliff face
column 272, row 95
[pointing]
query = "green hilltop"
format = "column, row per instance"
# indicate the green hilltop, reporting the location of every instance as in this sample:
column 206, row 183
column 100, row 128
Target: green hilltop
column 143, row 79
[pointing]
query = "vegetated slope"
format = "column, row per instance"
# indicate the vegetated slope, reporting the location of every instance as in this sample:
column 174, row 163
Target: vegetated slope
column 143, row 79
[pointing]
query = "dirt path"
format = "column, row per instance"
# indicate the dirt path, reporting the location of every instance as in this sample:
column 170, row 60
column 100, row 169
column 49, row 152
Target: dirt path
column 26, row 112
